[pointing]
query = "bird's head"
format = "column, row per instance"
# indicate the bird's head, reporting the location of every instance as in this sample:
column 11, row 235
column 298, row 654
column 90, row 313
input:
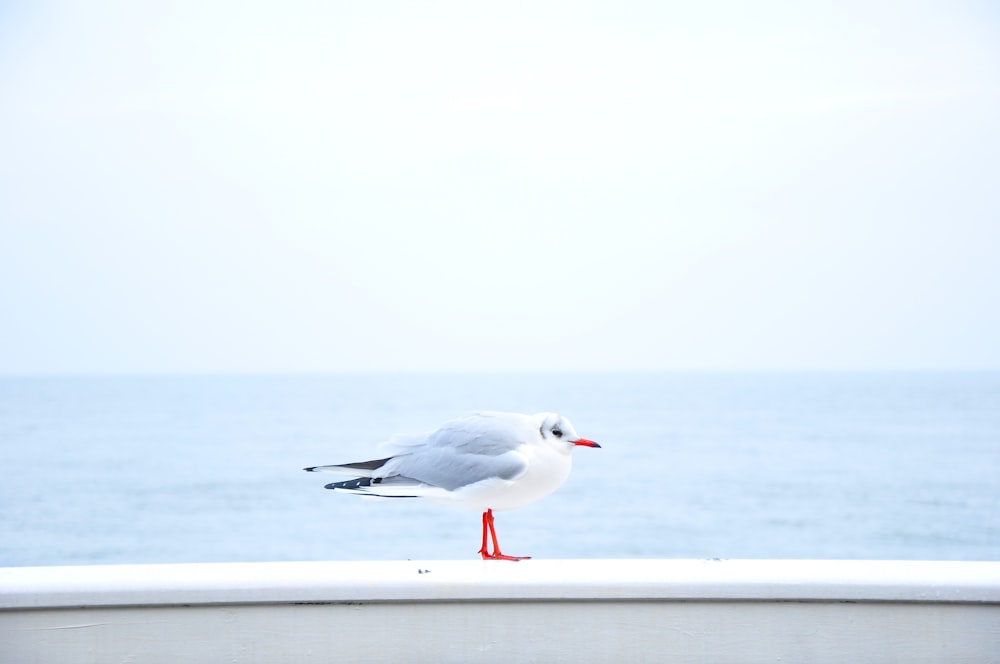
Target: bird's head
column 557, row 429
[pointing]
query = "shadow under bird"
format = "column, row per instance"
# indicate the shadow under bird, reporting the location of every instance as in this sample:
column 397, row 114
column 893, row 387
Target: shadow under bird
column 486, row 461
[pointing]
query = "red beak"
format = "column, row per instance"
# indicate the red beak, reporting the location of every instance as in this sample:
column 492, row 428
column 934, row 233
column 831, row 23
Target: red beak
column 583, row 442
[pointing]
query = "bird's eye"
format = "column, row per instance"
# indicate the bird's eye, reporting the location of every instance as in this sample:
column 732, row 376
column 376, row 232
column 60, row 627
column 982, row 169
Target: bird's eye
column 557, row 432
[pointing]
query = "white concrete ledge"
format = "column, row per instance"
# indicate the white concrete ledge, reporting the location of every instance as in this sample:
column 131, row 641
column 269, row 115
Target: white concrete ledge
column 450, row 580
column 483, row 611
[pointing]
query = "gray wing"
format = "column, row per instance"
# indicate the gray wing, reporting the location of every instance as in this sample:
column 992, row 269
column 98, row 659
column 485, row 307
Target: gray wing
column 462, row 452
column 443, row 468
column 452, row 469
column 465, row 451
column 488, row 433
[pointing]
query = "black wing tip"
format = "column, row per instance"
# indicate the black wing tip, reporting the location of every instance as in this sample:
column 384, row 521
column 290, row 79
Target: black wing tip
column 311, row 469
column 356, row 483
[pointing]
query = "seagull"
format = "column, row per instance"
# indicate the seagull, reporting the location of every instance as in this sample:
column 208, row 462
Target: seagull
column 486, row 461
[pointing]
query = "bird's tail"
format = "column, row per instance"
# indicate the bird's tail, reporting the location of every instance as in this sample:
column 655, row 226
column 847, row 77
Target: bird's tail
column 368, row 481
column 362, row 468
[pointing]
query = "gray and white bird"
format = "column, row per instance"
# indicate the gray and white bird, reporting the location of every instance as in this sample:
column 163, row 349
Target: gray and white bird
column 486, row 461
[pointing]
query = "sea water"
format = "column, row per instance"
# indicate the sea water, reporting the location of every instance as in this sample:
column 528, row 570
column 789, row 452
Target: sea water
column 147, row 469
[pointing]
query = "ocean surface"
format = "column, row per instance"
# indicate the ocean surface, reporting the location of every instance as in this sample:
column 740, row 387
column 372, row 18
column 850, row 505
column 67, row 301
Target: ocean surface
column 150, row 469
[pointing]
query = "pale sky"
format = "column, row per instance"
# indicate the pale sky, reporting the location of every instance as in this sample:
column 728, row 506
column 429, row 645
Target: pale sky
column 315, row 186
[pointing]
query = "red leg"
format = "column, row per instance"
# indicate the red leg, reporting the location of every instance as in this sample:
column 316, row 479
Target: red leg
column 496, row 555
column 483, row 551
